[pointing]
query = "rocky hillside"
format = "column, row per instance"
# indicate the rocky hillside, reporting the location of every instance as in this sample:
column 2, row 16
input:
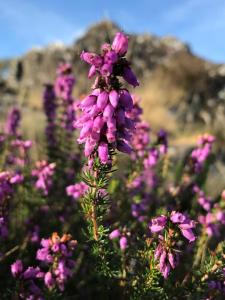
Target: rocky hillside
column 178, row 89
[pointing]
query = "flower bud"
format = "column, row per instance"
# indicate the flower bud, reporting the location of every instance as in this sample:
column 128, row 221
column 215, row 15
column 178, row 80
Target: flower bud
column 120, row 44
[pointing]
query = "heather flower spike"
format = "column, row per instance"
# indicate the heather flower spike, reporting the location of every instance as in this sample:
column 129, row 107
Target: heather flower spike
column 168, row 230
column 63, row 89
column 13, row 120
column 105, row 122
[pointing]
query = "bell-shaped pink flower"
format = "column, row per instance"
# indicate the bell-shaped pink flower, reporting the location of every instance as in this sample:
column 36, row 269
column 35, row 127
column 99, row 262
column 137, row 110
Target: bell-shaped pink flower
column 126, row 100
column 123, row 243
column 130, row 77
column 92, row 72
column 102, row 100
column 158, row 224
column 108, row 112
column 114, row 234
column 120, row 44
column 123, row 147
column 114, row 98
column 103, row 152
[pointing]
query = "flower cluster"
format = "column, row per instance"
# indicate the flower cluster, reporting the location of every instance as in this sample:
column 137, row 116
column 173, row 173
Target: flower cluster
column 202, row 152
column 56, row 265
column 214, row 219
column 105, row 123
column 7, row 181
column 77, row 190
column 56, row 253
column 155, row 153
column 64, row 88
column 141, row 139
column 64, row 82
column 205, row 202
column 12, row 122
column 44, row 173
column 170, row 230
column 137, row 111
column 19, row 154
column 143, row 183
column 139, row 210
column 29, row 287
column 49, row 105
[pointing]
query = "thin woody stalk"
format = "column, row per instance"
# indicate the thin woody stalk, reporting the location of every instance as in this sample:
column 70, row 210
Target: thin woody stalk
column 94, row 213
column 94, row 221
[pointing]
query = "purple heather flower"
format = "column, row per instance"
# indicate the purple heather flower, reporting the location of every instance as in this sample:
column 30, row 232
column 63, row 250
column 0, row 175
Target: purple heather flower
column 166, row 270
column 139, row 210
column 92, row 59
column 140, row 139
column 120, row 44
column 114, row 98
column 31, row 272
column 162, row 141
column 200, row 154
column 44, row 173
column 126, row 100
column 49, row 280
column 49, row 103
column 177, row 217
column 213, row 222
column 77, row 190
column 106, row 70
column 65, row 82
column 166, row 254
column 205, row 203
column 110, row 57
column 130, row 77
column 63, row 89
column 158, row 224
column 123, row 243
column 102, row 100
column 17, row 178
column 158, row 251
column 92, row 72
column 152, row 159
column 13, row 120
column 188, row 234
column 206, row 139
column 56, row 253
column 167, row 260
column 103, row 152
column 114, row 234
column 171, row 259
column 17, row 268
column 124, row 147
column 28, row 288
column 220, row 216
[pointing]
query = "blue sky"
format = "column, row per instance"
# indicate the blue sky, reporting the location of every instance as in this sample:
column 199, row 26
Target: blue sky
column 28, row 23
